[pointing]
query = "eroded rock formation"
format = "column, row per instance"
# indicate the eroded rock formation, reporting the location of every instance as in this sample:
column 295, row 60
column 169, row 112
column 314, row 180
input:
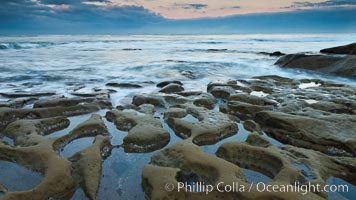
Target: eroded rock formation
column 39, row 153
column 314, row 121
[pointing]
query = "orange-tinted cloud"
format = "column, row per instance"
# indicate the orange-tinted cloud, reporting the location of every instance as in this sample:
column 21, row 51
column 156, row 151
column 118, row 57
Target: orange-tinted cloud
column 214, row 8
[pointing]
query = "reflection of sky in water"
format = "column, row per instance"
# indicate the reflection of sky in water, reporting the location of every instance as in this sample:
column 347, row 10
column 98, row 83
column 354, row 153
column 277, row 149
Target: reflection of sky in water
column 306, row 171
column 351, row 194
column 76, row 146
column 8, row 140
column 18, row 178
column 254, row 177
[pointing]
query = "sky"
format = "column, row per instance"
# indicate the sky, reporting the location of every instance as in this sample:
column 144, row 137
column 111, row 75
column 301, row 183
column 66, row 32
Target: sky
column 186, row 9
column 176, row 16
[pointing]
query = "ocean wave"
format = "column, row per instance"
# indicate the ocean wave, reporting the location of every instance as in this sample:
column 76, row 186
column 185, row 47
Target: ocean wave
column 132, row 49
column 211, row 50
column 11, row 45
column 26, row 45
column 211, row 42
column 220, row 51
column 92, row 61
column 292, row 40
column 2, row 46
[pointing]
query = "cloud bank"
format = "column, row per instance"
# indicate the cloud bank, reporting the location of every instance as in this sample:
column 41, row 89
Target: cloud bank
column 325, row 4
column 62, row 16
column 104, row 17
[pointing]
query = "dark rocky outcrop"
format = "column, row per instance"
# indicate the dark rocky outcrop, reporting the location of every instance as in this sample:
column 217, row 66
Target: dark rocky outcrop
column 345, row 49
column 276, row 53
column 165, row 83
column 338, row 65
column 123, row 85
column 56, row 102
column 26, row 94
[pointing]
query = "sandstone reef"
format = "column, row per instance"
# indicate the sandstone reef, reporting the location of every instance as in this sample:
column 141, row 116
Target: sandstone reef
column 312, row 120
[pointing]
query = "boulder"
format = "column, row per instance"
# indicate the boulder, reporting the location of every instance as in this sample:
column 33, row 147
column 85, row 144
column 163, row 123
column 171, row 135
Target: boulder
column 155, row 100
column 252, row 126
column 255, row 139
column 172, row 88
column 165, row 83
column 174, row 112
column 243, row 110
column 206, row 100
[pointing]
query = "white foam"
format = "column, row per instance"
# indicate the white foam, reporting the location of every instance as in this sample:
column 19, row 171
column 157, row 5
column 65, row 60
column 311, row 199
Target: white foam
column 311, row 101
column 309, row 85
column 258, row 94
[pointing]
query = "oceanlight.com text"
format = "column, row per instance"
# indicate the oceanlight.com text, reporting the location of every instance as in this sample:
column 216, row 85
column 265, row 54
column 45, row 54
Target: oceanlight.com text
column 259, row 187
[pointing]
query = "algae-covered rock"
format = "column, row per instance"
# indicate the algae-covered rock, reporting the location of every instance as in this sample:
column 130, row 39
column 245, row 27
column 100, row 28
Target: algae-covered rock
column 211, row 127
column 172, row 170
column 331, row 134
column 145, row 133
column 172, row 88
column 35, row 151
column 8, row 115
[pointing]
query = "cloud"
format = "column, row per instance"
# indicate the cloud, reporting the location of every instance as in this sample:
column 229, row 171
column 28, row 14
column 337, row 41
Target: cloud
column 28, row 15
column 101, row 16
column 338, row 20
column 232, row 7
column 191, row 6
column 70, row 2
column 325, row 4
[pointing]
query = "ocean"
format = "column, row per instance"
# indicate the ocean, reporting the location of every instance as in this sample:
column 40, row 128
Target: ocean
column 57, row 62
